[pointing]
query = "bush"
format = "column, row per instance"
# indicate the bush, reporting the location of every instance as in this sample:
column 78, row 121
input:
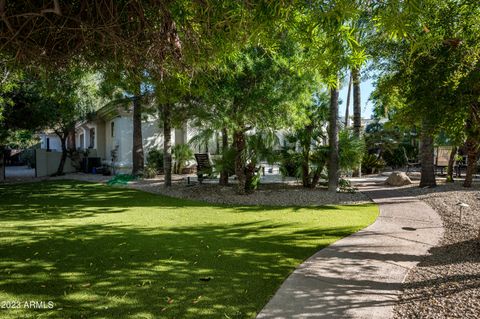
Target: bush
column 183, row 153
column 345, row 186
column 150, row 171
column 371, row 164
column 351, row 150
column 226, row 162
column 396, row 158
column 155, row 160
column 290, row 163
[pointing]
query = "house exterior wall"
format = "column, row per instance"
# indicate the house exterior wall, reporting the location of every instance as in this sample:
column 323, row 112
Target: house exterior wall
column 100, row 139
column 55, row 143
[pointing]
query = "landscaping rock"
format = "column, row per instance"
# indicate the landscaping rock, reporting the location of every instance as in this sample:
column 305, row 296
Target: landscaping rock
column 398, row 179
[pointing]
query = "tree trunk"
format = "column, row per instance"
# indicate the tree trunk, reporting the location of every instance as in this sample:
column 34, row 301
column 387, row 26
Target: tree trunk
column 471, row 145
column 357, row 112
column 333, row 170
column 472, row 152
column 61, row 165
column 72, row 143
column 240, row 148
column 167, row 143
column 347, row 108
column 306, row 157
column 305, row 169
column 137, row 151
column 451, row 163
column 427, row 156
column 224, row 173
column 2, row 163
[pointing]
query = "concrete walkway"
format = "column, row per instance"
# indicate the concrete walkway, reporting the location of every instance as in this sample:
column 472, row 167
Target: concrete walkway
column 360, row 276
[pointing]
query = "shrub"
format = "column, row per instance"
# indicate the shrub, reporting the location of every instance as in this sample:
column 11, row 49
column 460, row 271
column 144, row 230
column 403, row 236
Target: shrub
column 150, row 171
column 290, row 163
column 155, row 160
column 183, row 153
column 371, row 163
column 345, row 186
column 351, row 150
column 226, row 162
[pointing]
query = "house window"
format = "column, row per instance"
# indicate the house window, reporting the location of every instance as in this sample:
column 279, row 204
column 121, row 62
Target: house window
column 48, row 144
column 92, row 138
column 82, row 141
column 112, row 128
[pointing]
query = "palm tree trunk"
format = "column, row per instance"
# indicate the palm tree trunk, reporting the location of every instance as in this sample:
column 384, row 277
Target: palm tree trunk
column 306, row 182
column 224, row 173
column 167, row 143
column 240, row 148
column 451, row 163
column 357, row 111
column 137, row 151
column 427, row 178
column 347, row 108
column 333, row 170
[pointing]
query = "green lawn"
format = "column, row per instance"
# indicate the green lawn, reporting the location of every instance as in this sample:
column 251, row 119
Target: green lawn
column 103, row 252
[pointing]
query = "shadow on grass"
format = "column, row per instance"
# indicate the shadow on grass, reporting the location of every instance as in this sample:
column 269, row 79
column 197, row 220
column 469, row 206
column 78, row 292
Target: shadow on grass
column 110, row 269
column 66, row 199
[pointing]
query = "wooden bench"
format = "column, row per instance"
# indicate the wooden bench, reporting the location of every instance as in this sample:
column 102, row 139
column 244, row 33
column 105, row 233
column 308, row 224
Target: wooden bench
column 204, row 166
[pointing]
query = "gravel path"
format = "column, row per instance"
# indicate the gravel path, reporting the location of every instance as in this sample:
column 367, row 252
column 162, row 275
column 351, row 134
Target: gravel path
column 289, row 194
column 446, row 284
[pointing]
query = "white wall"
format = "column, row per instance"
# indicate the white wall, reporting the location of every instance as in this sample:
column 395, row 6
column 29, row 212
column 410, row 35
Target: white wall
column 55, row 143
column 152, row 138
column 46, row 163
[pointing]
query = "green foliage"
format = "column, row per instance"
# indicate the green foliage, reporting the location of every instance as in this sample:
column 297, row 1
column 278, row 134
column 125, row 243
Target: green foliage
column 351, row 148
column 150, row 171
column 182, row 154
column 225, row 162
column 155, row 159
column 393, row 144
column 344, row 185
column 22, row 139
column 290, row 162
column 371, row 164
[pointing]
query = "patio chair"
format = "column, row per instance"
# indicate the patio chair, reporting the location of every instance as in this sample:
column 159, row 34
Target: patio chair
column 442, row 157
column 410, row 163
column 204, row 166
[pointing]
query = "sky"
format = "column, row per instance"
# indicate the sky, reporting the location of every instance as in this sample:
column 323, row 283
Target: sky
column 366, row 87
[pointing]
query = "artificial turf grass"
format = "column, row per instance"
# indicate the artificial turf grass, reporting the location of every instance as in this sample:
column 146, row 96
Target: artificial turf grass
column 102, row 252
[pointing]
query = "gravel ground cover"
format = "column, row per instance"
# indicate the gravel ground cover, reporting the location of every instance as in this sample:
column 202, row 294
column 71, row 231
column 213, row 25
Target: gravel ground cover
column 446, row 284
column 288, row 194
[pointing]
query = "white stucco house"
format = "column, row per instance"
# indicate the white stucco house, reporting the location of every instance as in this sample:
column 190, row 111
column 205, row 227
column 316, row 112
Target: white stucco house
column 111, row 129
column 50, row 141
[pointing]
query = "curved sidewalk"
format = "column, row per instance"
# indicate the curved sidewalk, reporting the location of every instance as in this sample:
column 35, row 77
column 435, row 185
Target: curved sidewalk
column 360, row 276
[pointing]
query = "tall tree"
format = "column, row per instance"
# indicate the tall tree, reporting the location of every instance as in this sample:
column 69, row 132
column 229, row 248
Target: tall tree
column 333, row 167
column 257, row 91
column 347, row 106
column 68, row 95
